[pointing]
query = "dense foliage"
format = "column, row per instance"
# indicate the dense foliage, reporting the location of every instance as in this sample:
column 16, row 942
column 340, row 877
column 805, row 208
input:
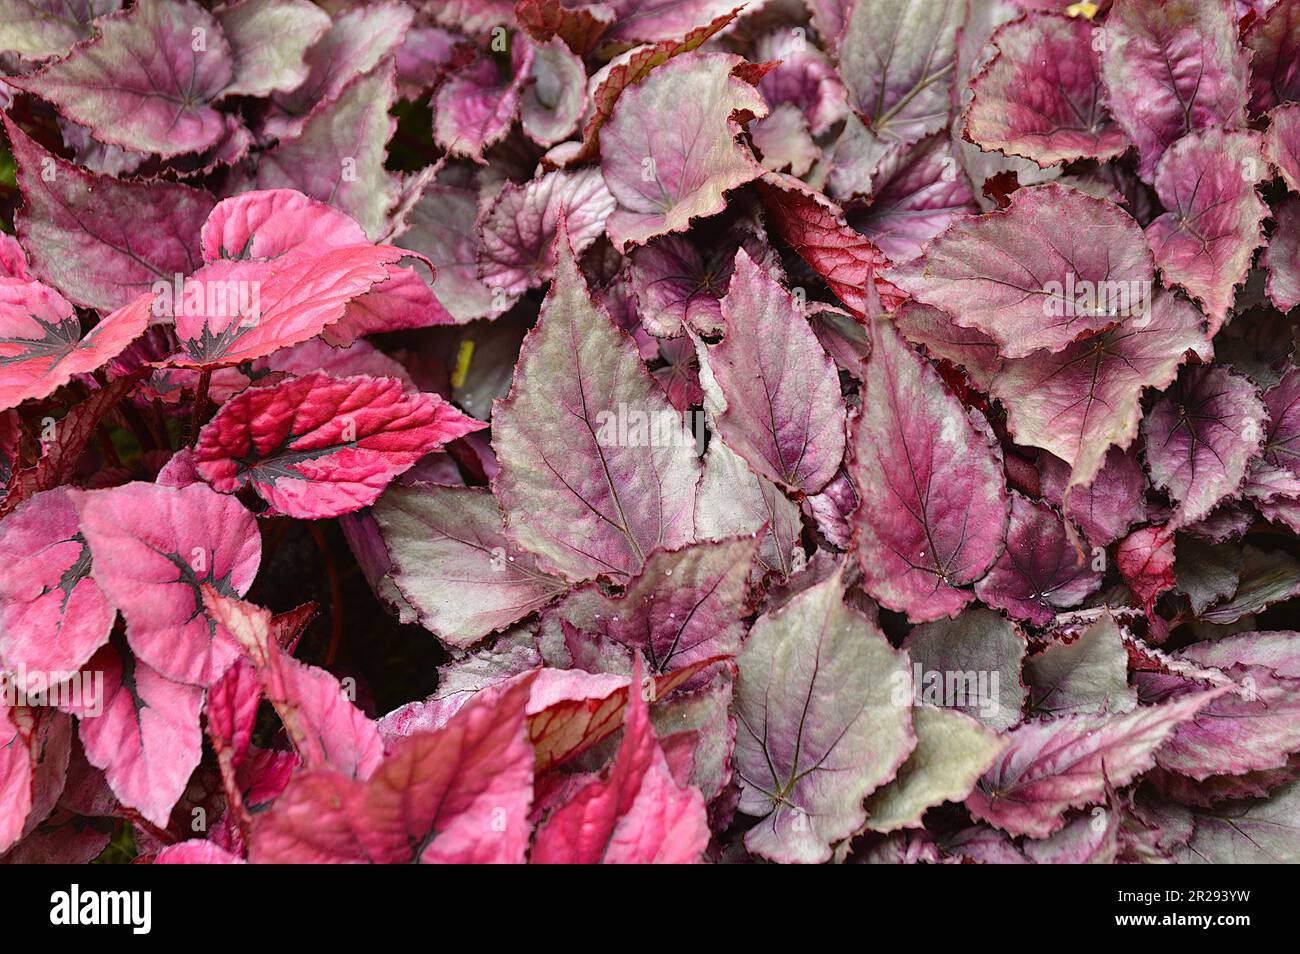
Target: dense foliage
column 650, row 431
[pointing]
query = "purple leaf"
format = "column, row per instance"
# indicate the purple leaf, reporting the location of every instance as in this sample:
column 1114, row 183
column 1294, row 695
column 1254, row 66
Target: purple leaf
column 896, row 58
column 1200, row 438
column 477, row 106
column 1282, row 257
column 1172, row 67
column 934, row 509
column 1027, row 283
column 1078, row 403
column 1274, row 41
column 1040, row 571
column 1041, row 96
column 452, row 562
column 1282, row 142
column 338, row 157
column 803, row 78
column 916, row 195
column 1051, row 767
column 517, row 230
column 822, row 724
column 147, row 81
column 685, row 605
column 665, row 175
column 356, row 43
column 1106, row 508
column 783, row 414
column 157, row 545
column 1205, row 242
column 597, row 469
column 100, row 241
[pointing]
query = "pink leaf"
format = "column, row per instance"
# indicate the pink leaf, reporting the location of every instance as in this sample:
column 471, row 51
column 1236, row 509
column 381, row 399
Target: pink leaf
column 146, row 737
column 41, row 345
column 153, row 547
column 1041, row 96
column 1051, row 767
column 457, row 795
column 934, row 508
column 784, row 414
column 1146, row 561
column 637, row 814
column 692, row 160
column 323, row 724
column 53, row 616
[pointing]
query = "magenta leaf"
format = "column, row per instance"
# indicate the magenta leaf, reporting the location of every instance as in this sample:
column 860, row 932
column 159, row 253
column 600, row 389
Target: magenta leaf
column 157, row 546
column 1274, row 42
column 518, row 229
column 597, row 468
column 477, row 106
column 685, row 605
column 1172, row 67
column 1106, row 508
column 783, row 414
column 896, row 58
column 1146, row 562
column 823, row 723
column 1041, row 96
column 1040, row 572
column 41, row 344
column 1200, row 438
column 17, row 771
column 100, row 241
column 917, row 194
column 145, row 735
column 1028, row 284
column 460, row 794
column 934, row 509
column 53, row 616
column 452, row 562
column 1205, row 242
column 1051, row 767
column 637, row 814
column 326, row 728
column 443, row 229
column 1079, row 402
column 319, row 446
column 196, row 852
column 814, row 227
column 147, row 81
column 664, row 177
column 804, row 78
